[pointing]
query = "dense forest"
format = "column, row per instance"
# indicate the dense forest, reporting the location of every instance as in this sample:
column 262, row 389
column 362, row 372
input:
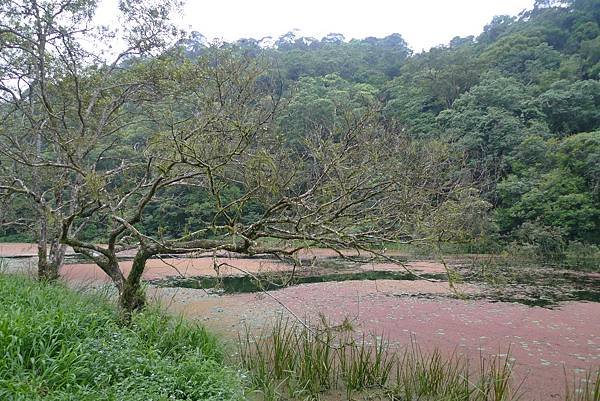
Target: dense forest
column 516, row 109
column 519, row 104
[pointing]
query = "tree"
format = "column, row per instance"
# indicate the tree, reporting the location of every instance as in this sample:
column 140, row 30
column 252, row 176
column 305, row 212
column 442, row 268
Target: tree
column 554, row 184
column 525, row 56
column 572, row 107
column 317, row 101
column 58, row 99
column 488, row 123
column 211, row 128
column 91, row 142
column 429, row 84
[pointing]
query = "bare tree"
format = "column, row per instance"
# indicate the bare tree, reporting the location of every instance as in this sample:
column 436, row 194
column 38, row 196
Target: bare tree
column 211, row 128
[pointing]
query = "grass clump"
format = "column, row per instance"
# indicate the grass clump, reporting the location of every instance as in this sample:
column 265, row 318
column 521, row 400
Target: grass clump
column 293, row 361
column 61, row 345
column 584, row 389
column 296, row 361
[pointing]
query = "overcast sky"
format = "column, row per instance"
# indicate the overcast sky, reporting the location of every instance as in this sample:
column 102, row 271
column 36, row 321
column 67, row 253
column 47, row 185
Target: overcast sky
column 422, row 23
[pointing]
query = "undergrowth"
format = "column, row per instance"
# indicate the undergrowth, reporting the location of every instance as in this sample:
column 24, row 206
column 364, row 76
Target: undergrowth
column 61, row 345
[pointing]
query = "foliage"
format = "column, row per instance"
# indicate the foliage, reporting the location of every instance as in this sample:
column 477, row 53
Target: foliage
column 61, row 345
column 526, row 81
column 322, row 103
column 554, row 183
column 572, row 107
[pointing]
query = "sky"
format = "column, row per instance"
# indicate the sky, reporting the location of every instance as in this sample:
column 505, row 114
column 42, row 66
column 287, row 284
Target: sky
column 422, row 23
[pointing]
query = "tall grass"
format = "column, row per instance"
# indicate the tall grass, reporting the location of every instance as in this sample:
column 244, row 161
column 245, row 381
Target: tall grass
column 296, row 361
column 293, row 360
column 60, row 345
column 433, row 377
column 584, row 389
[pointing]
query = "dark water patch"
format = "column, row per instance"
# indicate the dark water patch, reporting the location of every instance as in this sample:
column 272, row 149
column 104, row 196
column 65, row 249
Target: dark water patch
column 17, row 257
column 586, row 295
column 540, row 302
column 534, row 296
column 264, row 282
column 545, row 297
column 534, row 286
column 548, row 303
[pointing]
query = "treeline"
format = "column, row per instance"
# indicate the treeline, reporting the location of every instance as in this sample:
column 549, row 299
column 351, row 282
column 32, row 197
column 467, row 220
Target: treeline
column 520, row 104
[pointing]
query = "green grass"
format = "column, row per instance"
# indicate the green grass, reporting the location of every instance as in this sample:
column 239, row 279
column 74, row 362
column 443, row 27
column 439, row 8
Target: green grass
column 57, row 344
column 293, row 361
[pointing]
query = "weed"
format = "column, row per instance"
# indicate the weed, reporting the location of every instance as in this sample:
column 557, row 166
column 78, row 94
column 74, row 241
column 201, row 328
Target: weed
column 584, row 389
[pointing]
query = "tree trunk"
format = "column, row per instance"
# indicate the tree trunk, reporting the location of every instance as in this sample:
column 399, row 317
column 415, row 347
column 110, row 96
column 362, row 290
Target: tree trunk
column 49, row 260
column 132, row 297
column 112, row 269
column 44, row 273
column 57, row 258
column 130, row 291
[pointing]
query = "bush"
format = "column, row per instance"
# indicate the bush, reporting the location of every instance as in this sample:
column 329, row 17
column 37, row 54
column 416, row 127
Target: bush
column 582, row 256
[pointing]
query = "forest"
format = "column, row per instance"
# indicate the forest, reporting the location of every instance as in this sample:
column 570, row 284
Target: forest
column 517, row 108
column 519, row 105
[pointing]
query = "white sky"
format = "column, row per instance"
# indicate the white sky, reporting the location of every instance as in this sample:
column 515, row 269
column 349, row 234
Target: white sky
column 422, row 23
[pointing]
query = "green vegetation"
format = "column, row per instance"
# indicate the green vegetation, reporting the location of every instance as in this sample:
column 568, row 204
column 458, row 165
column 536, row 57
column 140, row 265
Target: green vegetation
column 297, row 361
column 60, row 345
column 518, row 104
